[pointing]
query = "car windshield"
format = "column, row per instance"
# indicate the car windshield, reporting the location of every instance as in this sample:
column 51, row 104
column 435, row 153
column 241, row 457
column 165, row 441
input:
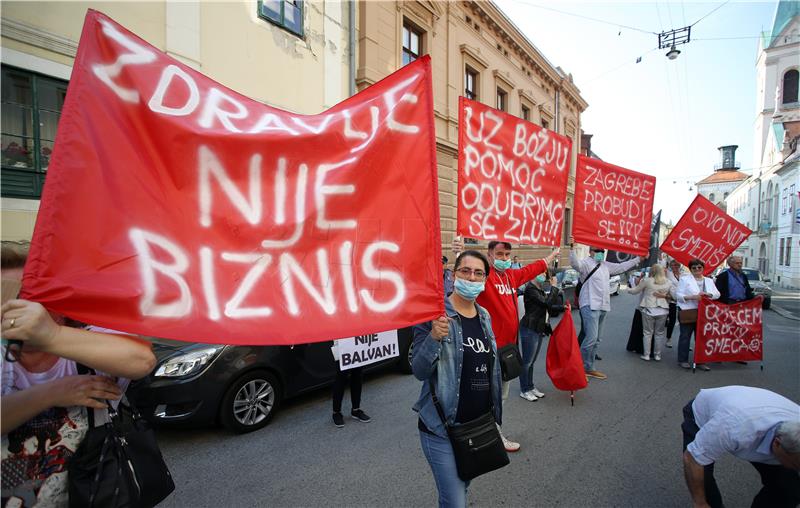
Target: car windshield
column 751, row 274
column 568, row 276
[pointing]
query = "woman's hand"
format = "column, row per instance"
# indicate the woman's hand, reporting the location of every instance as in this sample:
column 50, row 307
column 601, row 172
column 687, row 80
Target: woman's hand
column 29, row 322
column 549, row 259
column 89, row 391
column 440, row 328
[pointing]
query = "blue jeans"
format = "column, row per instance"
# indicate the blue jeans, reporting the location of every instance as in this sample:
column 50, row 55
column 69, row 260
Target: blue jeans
column 530, row 342
column 687, row 330
column 592, row 326
column 439, row 452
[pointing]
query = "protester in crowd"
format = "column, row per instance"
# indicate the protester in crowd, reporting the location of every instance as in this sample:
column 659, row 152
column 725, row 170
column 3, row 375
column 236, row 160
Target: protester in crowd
column 752, row 424
column 732, row 284
column 515, row 263
column 635, row 341
column 542, row 300
column 457, row 355
column 691, row 288
column 44, row 400
column 500, row 299
column 654, row 308
column 673, row 276
column 448, row 277
column 594, row 299
column 356, row 383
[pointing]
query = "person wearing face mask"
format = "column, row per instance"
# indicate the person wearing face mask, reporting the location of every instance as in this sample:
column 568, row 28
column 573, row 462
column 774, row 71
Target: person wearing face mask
column 542, row 300
column 594, row 299
column 500, row 299
column 457, row 353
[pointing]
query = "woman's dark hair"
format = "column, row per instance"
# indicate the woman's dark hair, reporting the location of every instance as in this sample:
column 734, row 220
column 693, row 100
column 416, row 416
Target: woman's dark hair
column 474, row 254
column 695, row 262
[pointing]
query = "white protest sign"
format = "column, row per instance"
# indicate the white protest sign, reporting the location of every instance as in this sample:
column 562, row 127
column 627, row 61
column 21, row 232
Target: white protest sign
column 366, row 349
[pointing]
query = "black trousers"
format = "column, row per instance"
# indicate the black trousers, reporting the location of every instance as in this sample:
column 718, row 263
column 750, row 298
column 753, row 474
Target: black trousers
column 355, row 388
column 780, row 485
column 672, row 318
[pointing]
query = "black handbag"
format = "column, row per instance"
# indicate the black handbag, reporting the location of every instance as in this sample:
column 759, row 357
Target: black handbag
column 510, row 362
column 477, row 445
column 118, row 464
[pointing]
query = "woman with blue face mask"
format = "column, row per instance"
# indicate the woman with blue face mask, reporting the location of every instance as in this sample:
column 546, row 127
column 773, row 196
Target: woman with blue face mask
column 542, row 300
column 457, row 354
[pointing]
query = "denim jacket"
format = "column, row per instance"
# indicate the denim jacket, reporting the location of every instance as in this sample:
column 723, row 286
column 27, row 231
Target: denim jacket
column 441, row 362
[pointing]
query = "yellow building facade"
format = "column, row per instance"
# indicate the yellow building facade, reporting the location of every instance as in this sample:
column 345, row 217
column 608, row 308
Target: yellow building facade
column 290, row 54
column 477, row 52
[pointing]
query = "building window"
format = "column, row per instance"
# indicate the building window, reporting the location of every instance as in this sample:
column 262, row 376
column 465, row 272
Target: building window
column 711, row 197
column 471, row 84
column 526, row 113
column 790, row 81
column 780, row 252
column 31, row 107
column 545, row 124
column 788, row 257
column 286, row 14
column 502, row 99
column 411, row 42
column 783, row 202
column 566, row 227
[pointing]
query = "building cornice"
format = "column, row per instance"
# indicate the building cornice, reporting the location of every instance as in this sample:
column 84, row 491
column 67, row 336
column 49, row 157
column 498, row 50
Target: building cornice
column 29, row 34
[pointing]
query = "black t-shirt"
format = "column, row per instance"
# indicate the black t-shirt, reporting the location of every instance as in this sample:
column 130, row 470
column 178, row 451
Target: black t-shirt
column 475, row 395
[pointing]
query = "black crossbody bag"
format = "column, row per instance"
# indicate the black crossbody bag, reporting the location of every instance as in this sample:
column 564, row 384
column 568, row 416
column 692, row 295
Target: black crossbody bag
column 118, row 464
column 477, row 445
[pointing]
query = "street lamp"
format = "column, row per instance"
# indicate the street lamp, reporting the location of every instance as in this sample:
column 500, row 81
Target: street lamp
column 673, row 53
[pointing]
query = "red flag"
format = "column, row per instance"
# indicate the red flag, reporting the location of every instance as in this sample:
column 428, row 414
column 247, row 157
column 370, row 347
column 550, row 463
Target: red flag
column 175, row 207
column 564, row 362
column 613, row 206
column 729, row 333
column 705, row 232
column 512, row 177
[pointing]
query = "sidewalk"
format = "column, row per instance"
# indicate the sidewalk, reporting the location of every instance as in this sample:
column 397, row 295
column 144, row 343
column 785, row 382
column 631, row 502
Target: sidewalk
column 786, row 302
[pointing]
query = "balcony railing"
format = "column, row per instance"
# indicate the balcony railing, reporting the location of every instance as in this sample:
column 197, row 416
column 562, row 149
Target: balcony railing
column 735, row 165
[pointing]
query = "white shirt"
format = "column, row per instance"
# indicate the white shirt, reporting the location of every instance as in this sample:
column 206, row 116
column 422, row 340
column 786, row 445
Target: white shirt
column 594, row 292
column 688, row 286
column 739, row 420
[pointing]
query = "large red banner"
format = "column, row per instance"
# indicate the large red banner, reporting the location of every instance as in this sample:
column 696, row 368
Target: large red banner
column 175, row 207
column 729, row 333
column 512, row 177
column 704, row 232
column 613, row 206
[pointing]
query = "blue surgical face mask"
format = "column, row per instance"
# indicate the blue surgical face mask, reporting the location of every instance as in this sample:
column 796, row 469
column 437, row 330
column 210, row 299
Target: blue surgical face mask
column 599, row 256
column 540, row 279
column 502, row 265
column 467, row 289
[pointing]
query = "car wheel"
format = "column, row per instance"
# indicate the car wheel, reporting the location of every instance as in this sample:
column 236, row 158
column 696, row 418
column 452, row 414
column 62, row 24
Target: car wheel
column 766, row 303
column 250, row 402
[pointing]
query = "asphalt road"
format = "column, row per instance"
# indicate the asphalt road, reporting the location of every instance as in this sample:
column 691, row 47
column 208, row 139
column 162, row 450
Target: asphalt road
column 620, row 445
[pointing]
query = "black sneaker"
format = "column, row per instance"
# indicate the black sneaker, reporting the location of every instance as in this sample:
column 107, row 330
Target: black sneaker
column 338, row 420
column 360, row 415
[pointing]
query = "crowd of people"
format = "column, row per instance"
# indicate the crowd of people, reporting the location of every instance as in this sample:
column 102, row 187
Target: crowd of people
column 457, row 357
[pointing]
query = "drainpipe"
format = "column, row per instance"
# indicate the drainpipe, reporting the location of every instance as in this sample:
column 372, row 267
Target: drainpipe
column 351, row 42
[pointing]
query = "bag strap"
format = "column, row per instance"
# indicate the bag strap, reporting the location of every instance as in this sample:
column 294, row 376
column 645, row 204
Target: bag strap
column 592, row 272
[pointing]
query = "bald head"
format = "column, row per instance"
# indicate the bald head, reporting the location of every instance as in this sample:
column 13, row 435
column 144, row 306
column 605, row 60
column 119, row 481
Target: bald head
column 735, row 263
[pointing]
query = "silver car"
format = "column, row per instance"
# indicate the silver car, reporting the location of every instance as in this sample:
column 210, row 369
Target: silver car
column 759, row 284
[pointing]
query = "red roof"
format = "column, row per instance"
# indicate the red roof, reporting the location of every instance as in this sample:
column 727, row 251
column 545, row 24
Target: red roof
column 724, row 175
